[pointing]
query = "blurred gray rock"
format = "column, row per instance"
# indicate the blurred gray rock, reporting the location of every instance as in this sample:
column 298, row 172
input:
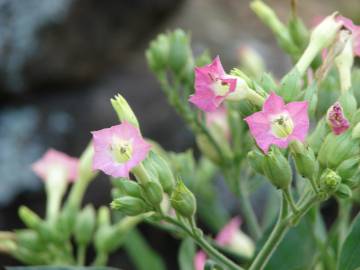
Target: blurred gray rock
column 65, row 42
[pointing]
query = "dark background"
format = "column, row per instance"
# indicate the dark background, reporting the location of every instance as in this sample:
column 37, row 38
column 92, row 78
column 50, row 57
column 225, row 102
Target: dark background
column 62, row 60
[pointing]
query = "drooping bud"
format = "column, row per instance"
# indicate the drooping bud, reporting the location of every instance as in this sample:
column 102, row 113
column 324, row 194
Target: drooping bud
column 85, row 225
column 344, row 191
column 130, row 206
column 321, row 37
column 337, row 148
column 348, row 168
column 329, row 181
column 336, row 119
column 153, row 192
column 277, row 169
column 183, row 200
column 256, row 160
column 123, row 110
column 166, row 177
column 305, row 160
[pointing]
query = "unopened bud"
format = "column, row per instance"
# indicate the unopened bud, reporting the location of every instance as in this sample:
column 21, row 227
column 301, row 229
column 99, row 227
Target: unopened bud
column 256, row 160
column 251, row 61
column 153, row 192
column 123, row 110
column 130, row 206
column 30, row 218
column 343, row 192
column 305, row 160
column 348, row 168
column 29, row 239
column 179, row 51
column 336, row 119
column 329, row 181
column 277, row 169
column 356, row 132
column 348, row 102
column 166, row 177
column 337, row 148
column 344, row 62
column 316, row 139
column 85, row 225
column 85, row 163
column 298, row 32
column 183, row 200
column 128, row 187
column 158, row 53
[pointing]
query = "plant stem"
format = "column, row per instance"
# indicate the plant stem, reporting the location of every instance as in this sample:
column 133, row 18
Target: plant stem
column 289, row 198
column 208, row 248
column 81, row 255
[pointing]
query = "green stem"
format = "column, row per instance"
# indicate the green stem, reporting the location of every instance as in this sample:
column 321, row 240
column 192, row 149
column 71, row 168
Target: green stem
column 81, row 255
column 289, row 198
column 199, row 239
column 344, row 218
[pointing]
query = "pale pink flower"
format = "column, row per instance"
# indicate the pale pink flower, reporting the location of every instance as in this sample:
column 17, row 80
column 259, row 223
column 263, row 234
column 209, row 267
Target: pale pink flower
column 279, row 123
column 212, row 86
column 218, row 121
column 118, row 149
column 355, row 31
column 55, row 159
column 336, row 119
column 223, row 238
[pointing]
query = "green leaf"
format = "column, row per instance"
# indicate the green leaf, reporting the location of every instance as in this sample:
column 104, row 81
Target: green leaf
column 186, row 254
column 59, row 268
column 141, row 254
column 349, row 255
column 296, row 251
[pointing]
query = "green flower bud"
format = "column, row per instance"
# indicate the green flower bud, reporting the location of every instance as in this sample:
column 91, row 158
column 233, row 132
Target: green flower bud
column 298, row 32
column 128, row 187
column 103, row 216
column 183, row 201
column 277, row 169
column 153, row 192
column 85, row 163
column 123, row 110
column 256, row 160
column 305, row 160
column 348, row 168
column 316, row 139
column 356, row 132
column 158, row 53
column 179, row 51
column 355, row 118
column 30, row 218
column 329, row 181
column 29, row 239
column 343, row 192
column 251, row 61
column 290, row 86
column 348, row 103
column 337, row 148
column 166, row 177
column 207, row 149
column 85, row 226
column 130, row 206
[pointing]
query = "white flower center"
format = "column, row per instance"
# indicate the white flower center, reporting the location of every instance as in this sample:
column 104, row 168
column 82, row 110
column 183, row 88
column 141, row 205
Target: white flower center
column 121, row 150
column 282, row 125
column 220, row 88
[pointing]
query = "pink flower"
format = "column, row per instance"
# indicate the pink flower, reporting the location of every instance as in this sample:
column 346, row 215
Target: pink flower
column 55, row 159
column 336, row 119
column 355, row 30
column 278, row 123
column 212, row 86
column 118, row 149
column 224, row 237
column 218, row 121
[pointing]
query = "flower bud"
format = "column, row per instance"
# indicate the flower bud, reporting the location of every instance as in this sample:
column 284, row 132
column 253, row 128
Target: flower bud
column 298, row 32
column 316, row 139
column 207, row 149
column 158, row 53
column 166, row 177
column 130, row 206
column 256, row 160
column 251, row 61
column 348, row 168
column 85, row 163
column 336, row 119
column 344, row 62
column 329, row 181
column 179, row 51
column 277, row 169
column 337, row 148
column 123, row 110
column 348, row 102
column 29, row 239
column 356, row 132
column 305, row 161
column 85, row 226
column 183, row 201
column 30, row 219
column 153, row 192
column 343, row 192
column 128, row 187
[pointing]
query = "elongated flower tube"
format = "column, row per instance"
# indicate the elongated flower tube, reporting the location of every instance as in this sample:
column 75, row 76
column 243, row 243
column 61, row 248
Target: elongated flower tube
column 213, row 86
column 118, row 149
column 336, row 119
column 355, row 31
column 231, row 237
column 217, row 122
column 279, row 123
